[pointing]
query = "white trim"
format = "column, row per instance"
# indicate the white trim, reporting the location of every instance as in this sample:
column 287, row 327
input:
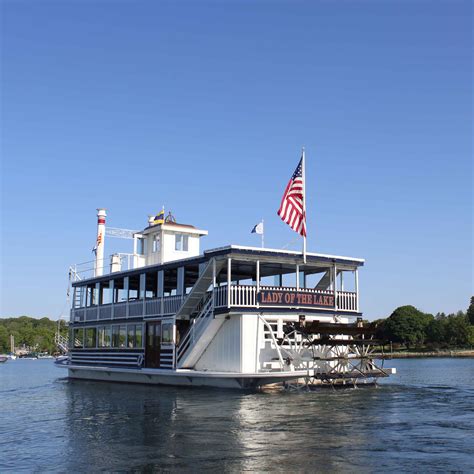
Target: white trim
column 288, row 252
column 191, row 372
column 184, row 229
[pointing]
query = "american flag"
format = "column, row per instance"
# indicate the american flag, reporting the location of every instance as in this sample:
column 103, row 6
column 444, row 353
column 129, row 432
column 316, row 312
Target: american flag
column 292, row 209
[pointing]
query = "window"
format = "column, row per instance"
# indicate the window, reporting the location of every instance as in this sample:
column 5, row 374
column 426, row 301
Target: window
column 131, row 335
column 156, row 243
column 123, row 336
column 167, row 333
column 104, row 336
column 133, row 287
column 181, row 242
column 134, row 335
column 141, row 246
column 138, row 336
column 105, row 293
column 120, row 289
column 151, row 285
column 115, row 336
column 79, row 338
column 79, row 294
column 89, row 296
column 119, row 336
column 91, row 334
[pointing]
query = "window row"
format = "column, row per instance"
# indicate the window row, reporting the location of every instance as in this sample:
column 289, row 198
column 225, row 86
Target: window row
column 150, row 285
column 181, row 244
column 116, row 336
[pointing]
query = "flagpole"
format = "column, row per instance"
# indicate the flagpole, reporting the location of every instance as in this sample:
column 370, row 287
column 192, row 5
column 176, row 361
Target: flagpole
column 263, row 234
column 304, row 202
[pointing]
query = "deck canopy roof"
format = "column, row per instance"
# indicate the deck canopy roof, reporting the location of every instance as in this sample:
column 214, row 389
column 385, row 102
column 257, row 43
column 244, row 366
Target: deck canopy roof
column 277, row 262
column 272, row 262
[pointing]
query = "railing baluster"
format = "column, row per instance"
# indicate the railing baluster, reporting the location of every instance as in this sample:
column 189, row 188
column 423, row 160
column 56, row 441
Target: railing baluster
column 246, row 295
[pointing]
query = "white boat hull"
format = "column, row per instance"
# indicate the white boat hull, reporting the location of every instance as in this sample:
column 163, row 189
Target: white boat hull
column 190, row 378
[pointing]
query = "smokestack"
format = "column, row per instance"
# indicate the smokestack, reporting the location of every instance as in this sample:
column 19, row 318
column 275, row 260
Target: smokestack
column 99, row 246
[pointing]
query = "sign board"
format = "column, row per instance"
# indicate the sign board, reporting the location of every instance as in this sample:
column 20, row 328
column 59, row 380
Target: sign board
column 295, row 298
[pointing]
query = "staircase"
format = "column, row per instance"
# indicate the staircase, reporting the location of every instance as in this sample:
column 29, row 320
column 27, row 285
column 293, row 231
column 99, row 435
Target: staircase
column 203, row 329
column 62, row 343
column 325, row 281
column 199, row 289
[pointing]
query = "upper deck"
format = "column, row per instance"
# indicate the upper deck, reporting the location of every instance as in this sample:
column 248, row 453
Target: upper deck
column 240, row 278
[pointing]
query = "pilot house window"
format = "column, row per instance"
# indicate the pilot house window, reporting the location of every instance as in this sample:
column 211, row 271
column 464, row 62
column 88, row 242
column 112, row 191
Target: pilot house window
column 156, row 243
column 181, row 242
column 141, row 246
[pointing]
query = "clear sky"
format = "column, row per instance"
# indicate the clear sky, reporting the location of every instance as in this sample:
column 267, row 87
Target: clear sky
column 203, row 106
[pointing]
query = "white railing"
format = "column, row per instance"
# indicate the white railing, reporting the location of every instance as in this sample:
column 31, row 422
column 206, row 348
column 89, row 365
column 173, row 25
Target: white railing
column 62, row 343
column 129, row 309
column 246, row 296
column 299, row 290
column 220, row 296
column 347, row 300
column 242, row 296
column 196, row 328
column 85, row 270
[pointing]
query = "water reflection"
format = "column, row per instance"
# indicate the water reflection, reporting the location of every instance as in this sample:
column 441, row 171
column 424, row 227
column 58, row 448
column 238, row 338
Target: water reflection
column 136, row 427
column 420, row 420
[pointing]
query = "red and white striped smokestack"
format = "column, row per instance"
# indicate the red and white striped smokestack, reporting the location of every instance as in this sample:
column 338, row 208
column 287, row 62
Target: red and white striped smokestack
column 99, row 254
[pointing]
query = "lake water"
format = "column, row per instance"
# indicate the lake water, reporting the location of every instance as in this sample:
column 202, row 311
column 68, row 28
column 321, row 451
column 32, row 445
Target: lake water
column 419, row 420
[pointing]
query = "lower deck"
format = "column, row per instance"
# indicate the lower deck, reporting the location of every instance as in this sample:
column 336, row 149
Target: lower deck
column 234, row 350
column 194, row 378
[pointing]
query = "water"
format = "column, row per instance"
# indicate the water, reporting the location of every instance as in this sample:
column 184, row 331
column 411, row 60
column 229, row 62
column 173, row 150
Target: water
column 420, row 420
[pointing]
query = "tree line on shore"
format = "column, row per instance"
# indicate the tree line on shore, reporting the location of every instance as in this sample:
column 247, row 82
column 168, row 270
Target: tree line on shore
column 406, row 326
column 31, row 333
column 410, row 327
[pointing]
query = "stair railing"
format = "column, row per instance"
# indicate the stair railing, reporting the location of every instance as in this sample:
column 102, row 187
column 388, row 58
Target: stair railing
column 197, row 325
column 62, row 342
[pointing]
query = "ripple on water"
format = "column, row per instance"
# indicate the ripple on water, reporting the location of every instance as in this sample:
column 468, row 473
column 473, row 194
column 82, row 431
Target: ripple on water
column 418, row 420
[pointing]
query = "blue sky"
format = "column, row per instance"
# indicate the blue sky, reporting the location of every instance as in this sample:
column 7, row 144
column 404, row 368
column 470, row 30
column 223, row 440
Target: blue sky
column 204, row 106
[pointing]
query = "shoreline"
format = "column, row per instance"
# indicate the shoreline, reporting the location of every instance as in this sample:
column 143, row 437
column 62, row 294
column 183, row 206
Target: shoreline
column 414, row 355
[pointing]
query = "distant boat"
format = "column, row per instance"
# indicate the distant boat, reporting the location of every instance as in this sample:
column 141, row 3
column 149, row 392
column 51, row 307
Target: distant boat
column 3, row 359
column 62, row 360
column 31, row 356
column 44, row 355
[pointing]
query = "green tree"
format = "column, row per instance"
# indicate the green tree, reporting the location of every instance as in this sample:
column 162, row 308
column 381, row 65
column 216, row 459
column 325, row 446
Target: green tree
column 470, row 311
column 458, row 330
column 407, row 325
column 33, row 333
column 436, row 331
column 4, row 340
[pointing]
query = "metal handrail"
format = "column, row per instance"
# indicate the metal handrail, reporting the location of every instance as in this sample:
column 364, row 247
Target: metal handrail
column 197, row 323
column 78, row 269
column 62, row 342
